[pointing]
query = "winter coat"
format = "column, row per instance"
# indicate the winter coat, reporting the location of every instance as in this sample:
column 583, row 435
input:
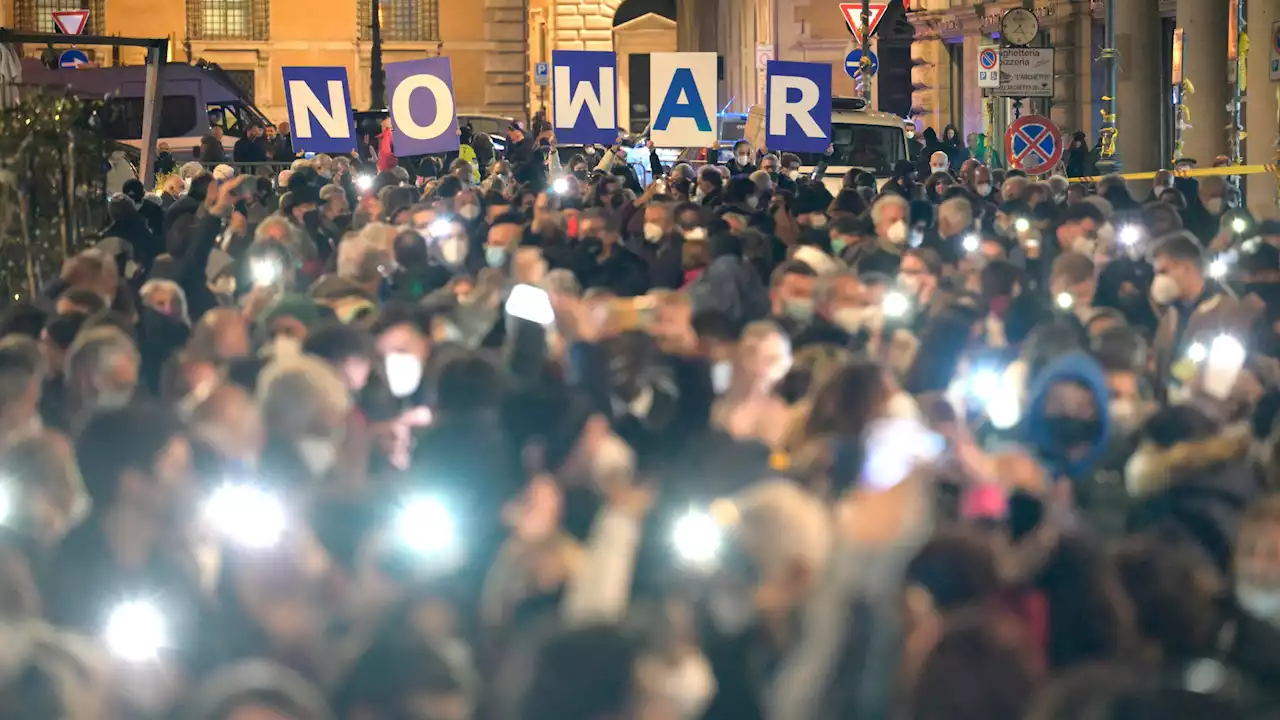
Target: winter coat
column 1194, row 492
column 733, row 287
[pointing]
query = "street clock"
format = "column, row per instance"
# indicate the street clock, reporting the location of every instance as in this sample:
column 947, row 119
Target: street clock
column 1019, row 26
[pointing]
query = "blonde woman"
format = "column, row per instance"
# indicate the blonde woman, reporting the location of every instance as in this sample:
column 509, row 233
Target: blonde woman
column 750, row 409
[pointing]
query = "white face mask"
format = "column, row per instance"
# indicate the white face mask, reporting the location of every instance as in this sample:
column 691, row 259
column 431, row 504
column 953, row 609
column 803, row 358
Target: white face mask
column 1164, row 290
column 113, row 399
column 318, row 454
column 453, row 250
column 817, row 220
column 1107, row 234
column 612, row 459
column 1259, row 603
column 1083, row 245
column 1214, row 206
column 285, row 346
column 853, row 320
column 793, row 174
column 743, row 159
column 984, row 189
column 687, row 686
column 938, row 168
column 1126, row 413
column 470, row 212
column 721, row 376
column 753, row 202
column 897, row 232
column 652, row 232
column 404, row 373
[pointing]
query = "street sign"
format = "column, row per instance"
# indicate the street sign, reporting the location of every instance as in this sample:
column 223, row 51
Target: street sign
column 1275, row 51
column 542, row 73
column 1175, row 75
column 1033, row 144
column 1025, row 72
column 853, row 63
column 73, row 58
column 989, row 67
column 71, row 22
column 852, row 12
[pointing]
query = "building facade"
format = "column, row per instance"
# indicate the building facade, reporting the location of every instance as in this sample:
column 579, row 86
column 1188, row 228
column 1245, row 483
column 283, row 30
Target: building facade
column 253, row 39
column 949, row 35
column 928, row 56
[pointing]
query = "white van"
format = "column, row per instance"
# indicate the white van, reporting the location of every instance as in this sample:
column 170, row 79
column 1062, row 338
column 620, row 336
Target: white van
column 860, row 138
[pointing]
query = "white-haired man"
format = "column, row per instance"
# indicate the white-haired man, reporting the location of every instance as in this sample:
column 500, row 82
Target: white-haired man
column 100, row 372
column 365, row 259
column 22, row 373
column 890, row 215
column 305, row 405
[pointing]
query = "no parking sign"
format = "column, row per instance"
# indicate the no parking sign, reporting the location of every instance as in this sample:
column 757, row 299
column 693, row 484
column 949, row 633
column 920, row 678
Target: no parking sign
column 1275, row 51
column 1033, row 144
column 989, row 68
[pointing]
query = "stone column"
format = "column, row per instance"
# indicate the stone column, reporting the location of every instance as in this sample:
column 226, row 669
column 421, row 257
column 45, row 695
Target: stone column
column 1205, row 65
column 736, row 43
column 696, row 22
column 1142, row 89
column 1260, row 109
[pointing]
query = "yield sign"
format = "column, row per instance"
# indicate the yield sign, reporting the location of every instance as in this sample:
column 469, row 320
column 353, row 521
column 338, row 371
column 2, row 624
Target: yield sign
column 852, row 12
column 71, row 22
column 1033, row 144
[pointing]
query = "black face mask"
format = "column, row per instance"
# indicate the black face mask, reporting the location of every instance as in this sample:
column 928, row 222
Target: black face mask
column 1069, row 432
column 1268, row 345
column 311, row 219
column 592, row 245
column 1267, row 292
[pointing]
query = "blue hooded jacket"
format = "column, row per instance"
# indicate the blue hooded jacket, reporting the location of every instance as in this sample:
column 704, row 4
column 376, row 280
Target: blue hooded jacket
column 1076, row 367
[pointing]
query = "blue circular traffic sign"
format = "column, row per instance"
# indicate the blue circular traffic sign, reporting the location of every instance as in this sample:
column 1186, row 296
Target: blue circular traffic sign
column 988, row 59
column 853, row 63
column 73, row 58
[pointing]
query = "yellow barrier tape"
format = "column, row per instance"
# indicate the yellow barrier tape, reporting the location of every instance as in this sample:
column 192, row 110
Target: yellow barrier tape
column 1197, row 172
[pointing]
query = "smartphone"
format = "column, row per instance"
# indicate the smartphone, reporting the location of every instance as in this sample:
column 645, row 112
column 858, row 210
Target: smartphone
column 1222, row 367
column 530, row 303
column 894, row 446
column 265, row 271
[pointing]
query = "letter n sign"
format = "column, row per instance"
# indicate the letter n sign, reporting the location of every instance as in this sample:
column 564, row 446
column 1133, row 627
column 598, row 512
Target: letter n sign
column 319, row 102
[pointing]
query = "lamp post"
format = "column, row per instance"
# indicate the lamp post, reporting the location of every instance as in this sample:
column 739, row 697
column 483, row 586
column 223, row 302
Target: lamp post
column 377, row 79
column 864, row 73
column 1109, row 153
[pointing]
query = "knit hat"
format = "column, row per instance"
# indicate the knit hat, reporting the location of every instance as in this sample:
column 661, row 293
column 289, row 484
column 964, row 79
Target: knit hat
column 301, row 307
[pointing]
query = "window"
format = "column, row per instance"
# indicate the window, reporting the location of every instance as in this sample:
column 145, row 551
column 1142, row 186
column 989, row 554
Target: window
column 234, row 118
column 872, row 147
column 401, row 20
column 245, row 80
column 122, row 117
column 37, row 15
column 228, row 19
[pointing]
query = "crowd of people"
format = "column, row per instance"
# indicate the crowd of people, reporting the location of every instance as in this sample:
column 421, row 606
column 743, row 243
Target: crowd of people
column 532, row 441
